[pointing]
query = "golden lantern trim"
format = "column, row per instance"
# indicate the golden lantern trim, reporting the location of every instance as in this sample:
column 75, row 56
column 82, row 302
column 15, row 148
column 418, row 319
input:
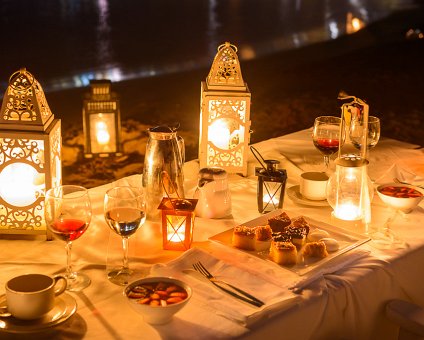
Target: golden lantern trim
column 24, row 105
column 225, row 70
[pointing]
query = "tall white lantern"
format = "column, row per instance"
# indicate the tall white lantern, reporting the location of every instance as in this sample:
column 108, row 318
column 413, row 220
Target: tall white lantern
column 225, row 114
column 30, row 156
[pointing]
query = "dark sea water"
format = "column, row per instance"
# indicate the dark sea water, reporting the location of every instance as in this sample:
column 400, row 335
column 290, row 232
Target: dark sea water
column 64, row 43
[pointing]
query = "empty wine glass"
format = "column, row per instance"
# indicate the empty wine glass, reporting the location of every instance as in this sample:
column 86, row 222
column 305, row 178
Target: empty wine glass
column 326, row 136
column 356, row 129
column 125, row 213
column 68, row 213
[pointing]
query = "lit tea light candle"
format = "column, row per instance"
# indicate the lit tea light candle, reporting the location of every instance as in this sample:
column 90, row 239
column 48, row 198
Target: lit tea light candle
column 267, row 199
column 177, row 235
column 348, row 212
column 177, row 222
column 19, row 183
column 102, row 134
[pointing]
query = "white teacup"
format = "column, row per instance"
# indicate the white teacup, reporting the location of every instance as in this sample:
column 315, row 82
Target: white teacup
column 30, row 296
column 313, row 185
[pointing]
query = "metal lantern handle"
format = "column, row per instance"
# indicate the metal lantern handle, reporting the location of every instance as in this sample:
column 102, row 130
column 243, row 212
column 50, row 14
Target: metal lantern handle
column 227, row 44
column 22, row 71
column 259, row 158
column 165, row 174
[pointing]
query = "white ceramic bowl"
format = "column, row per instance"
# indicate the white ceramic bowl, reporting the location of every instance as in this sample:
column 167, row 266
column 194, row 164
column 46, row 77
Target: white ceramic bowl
column 156, row 315
column 404, row 204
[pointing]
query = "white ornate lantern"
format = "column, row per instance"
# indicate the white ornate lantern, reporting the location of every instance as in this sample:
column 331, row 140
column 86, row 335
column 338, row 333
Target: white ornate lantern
column 225, row 114
column 30, row 158
column 102, row 120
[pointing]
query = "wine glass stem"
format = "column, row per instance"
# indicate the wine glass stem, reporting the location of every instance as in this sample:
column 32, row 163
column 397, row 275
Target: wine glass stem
column 125, row 249
column 69, row 272
column 326, row 162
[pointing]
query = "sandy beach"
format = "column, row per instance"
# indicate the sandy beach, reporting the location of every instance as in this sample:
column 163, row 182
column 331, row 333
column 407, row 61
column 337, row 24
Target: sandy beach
column 378, row 64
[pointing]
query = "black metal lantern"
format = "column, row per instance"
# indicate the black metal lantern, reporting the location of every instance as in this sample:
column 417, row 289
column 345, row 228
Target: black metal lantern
column 271, row 184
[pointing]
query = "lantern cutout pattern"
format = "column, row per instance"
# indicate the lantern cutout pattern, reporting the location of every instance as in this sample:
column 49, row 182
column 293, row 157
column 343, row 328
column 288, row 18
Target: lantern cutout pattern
column 30, row 156
column 349, row 188
column 225, row 114
column 177, row 222
column 101, row 120
column 271, row 183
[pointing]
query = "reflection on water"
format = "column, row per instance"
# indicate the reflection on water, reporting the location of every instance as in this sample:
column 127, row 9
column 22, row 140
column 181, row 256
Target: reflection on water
column 67, row 43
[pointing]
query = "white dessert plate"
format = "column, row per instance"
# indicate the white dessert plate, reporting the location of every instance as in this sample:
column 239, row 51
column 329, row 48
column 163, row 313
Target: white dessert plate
column 347, row 240
column 295, row 195
column 65, row 306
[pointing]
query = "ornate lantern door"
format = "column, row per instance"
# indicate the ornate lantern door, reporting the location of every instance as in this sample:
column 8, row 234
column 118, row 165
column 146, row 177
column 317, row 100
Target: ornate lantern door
column 30, row 158
column 225, row 114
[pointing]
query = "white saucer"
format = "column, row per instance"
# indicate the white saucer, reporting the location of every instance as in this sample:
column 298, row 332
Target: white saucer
column 63, row 309
column 295, row 195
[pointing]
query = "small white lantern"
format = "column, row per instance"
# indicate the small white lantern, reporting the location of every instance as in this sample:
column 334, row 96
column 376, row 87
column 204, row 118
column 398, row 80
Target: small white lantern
column 225, row 114
column 101, row 120
column 30, row 156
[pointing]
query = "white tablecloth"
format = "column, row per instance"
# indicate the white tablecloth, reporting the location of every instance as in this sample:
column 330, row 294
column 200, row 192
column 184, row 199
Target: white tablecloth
column 348, row 304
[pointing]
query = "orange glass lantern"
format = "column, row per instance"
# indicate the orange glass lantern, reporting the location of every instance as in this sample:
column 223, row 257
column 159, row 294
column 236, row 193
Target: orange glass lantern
column 225, row 114
column 30, row 156
column 177, row 222
column 101, row 120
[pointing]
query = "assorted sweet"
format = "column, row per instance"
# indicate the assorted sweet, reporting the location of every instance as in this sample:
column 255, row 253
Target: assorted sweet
column 317, row 235
column 244, row 237
column 330, row 243
column 278, row 223
column 157, row 293
column 263, row 237
column 284, row 253
column 252, row 238
column 286, row 239
column 315, row 249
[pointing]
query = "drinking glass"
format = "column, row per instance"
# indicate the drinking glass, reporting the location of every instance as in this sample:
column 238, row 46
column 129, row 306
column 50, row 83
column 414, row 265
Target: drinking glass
column 125, row 213
column 326, row 136
column 68, row 213
column 373, row 132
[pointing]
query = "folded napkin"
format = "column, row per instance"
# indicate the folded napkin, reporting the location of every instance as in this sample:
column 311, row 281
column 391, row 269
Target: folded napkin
column 403, row 174
column 266, row 281
column 331, row 267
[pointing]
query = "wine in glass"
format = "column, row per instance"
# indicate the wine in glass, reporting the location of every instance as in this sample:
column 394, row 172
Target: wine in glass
column 125, row 213
column 356, row 128
column 68, row 213
column 326, row 136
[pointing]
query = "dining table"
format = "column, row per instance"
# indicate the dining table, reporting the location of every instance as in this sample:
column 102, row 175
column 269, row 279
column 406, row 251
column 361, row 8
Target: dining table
column 343, row 298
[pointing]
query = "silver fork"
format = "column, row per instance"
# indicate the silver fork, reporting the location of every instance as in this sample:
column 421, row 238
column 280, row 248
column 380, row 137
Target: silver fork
column 396, row 180
column 242, row 295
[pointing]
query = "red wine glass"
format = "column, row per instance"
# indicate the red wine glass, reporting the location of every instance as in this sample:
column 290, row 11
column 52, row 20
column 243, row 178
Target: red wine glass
column 68, row 213
column 326, row 136
column 125, row 213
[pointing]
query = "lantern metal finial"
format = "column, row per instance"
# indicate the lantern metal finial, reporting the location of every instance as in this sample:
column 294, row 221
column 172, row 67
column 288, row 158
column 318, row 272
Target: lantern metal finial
column 24, row 104
column 225, row 68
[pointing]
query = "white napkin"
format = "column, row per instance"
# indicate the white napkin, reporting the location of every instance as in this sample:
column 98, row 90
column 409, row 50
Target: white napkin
column 331, row 267
column 402, row 174
column 266, row 281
